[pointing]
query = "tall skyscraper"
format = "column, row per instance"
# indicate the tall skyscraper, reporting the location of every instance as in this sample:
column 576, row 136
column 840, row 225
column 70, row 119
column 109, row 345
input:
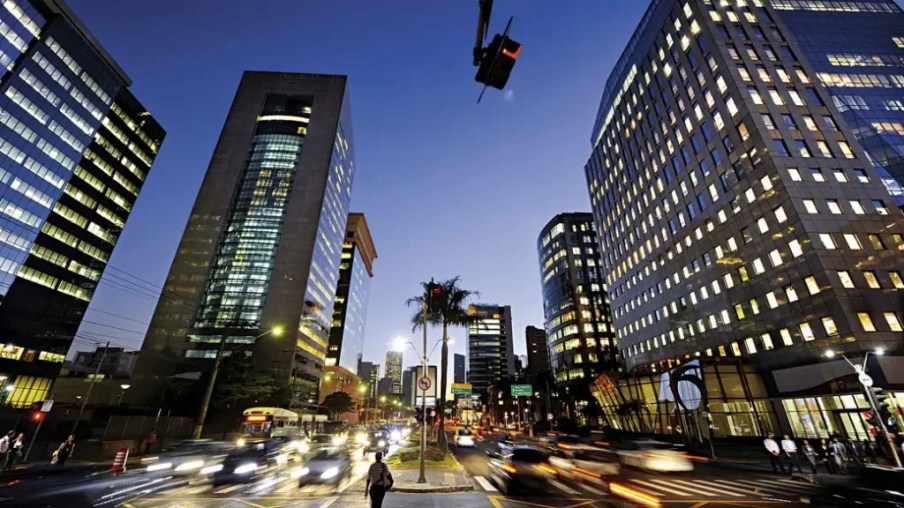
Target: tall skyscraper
column 856, row 50
column 394, row 370
column 350, row 309
column 408, row 383
column 262, row 246
column 458, row 371
column 537, row 350
column 491, row 352
column 741, row 223
column 579, row 331
column 75, row 150
column 369, row 373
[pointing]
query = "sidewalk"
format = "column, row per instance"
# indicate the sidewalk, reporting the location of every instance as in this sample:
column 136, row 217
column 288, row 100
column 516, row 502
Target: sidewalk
column 439, row 479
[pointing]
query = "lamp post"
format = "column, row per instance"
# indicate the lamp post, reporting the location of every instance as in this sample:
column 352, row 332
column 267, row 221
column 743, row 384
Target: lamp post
column 400, row 346
column 867, row 382
column 199, row 427
column 124, row 386
column 362, row 389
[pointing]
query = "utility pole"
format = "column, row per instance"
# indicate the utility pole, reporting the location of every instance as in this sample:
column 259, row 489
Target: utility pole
column 81, row 409
column 422, row 478
column 208, row 393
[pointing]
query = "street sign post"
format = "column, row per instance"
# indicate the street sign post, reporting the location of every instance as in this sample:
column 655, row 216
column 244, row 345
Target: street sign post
column 865, row 379
column 522, row 390
column 424, row 383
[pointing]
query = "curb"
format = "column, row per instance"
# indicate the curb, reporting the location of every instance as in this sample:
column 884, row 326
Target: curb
column 413, row 489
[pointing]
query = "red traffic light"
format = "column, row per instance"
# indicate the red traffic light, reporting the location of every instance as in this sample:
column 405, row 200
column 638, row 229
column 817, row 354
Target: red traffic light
column 497, row 62
column 37, row 416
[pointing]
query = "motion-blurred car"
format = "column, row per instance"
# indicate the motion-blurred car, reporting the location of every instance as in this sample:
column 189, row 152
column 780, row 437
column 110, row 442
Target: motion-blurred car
column 377, row 441
column 329, row 465
column 524, row 469
column 872, row 486
column 248, row 462
column 186, row 457
column 655, row 456
column 583, row 462
column 464, row 439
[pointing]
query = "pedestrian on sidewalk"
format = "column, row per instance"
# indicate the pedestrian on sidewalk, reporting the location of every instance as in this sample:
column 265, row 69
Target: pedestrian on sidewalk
column 16, row 449
column 855, row 452
column 774, row 453
column 840, row 455
column 379, row 481
column 869, row 454
column 5, row 442
column 828, row 456
column 64, row 451
column 790, row 450
column 810, row 454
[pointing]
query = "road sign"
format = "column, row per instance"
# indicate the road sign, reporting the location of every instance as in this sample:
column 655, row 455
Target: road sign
column 461, row 388
column 424, row 383
column 865, row 380
column 522, row 390
column 46, row 406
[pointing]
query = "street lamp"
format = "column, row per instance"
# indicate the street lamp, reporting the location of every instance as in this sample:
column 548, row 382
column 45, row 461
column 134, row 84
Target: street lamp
column 277, row 331
column 867, row 383
column 124, row 386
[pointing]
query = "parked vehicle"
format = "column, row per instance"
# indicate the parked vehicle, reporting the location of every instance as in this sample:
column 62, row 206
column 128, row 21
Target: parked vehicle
column 523, row 469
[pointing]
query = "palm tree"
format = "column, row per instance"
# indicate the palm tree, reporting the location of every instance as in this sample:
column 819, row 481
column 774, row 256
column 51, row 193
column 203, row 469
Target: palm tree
column 450, row 308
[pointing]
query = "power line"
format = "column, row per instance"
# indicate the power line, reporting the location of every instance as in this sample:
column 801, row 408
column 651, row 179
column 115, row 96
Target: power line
column 139, row 332
column 120, row 316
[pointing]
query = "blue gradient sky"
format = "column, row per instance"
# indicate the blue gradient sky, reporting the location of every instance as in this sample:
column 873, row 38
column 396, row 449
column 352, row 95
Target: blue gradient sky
column 449, row 187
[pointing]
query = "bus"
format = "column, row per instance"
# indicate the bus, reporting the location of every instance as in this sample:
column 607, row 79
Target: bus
column 269, row 422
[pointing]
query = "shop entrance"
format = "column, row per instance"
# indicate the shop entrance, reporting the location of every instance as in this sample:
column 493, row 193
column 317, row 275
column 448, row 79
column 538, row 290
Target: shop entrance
column 852, row 424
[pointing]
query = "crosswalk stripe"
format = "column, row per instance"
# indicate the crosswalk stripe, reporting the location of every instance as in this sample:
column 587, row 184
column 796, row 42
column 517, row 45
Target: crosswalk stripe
column 799, row 484
column 197, row 489
column 726, row 488
column 227, row 490
column 563, row 487
column 288, row 487
column 760, row 488
column 485, row 485
column 780, row 484
column 701, row 488
column 681, row 491
column 649, row 488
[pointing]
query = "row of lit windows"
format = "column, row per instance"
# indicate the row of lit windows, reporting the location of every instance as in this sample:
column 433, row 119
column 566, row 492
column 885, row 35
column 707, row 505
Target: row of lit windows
column 861, row 80
column 858, row 60
column 833, row 6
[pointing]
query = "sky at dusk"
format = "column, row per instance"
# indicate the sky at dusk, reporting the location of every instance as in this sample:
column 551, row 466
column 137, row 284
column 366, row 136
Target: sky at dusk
column 449, row 187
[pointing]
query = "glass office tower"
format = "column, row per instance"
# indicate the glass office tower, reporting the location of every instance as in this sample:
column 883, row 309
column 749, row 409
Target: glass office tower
column 491, row 353
column 741, row 224
column 350, row 309
column 263, row 243
column 393, row 370
column 579, row 331
column 856, row 49
column 75, row 150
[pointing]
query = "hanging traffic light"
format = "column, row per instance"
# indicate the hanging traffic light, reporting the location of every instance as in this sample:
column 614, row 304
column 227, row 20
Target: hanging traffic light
column 37, row 416
column 870, row 418
column 881, row 402
column 434, row 296
column 497, row 62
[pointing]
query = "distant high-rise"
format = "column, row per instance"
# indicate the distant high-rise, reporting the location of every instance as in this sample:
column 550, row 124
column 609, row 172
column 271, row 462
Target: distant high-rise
column 856, row 50
column 408, row 383
column 350, row 309
column 458, row 371
column 537, row 351
column 75, row 150
column 580, row 336
column 393, row 370
column 741, row 224
column 491, row 353
column 369, row 373
column 262, row 246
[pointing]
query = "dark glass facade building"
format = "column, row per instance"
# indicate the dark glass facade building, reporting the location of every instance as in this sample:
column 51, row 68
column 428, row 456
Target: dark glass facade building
column 350, row 309
column 75, row 150
column 491, row 353
column 741, row 224
column 537, row 350
column 579, row 333
column 856, row 49
column 263, row 244
column 459, row 374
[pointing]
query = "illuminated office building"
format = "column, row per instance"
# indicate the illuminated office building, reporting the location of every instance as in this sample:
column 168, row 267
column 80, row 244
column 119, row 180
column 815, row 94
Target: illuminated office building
column 263, row 244
column 350, row 309
column 741, row 224
column 75, row 150
column 491, row 353
column 856, row 49
column 393, row 371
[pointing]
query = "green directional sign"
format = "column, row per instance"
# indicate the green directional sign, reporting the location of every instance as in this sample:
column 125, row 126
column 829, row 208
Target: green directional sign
column 461, row 388
column 522, row 390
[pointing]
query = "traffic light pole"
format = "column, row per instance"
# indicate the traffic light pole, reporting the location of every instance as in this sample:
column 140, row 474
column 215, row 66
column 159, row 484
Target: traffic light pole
column 422, row 478
column 896, row 458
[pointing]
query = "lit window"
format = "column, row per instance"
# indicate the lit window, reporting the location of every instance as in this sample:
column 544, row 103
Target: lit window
column 879, row 206
column 892, row 321
column 812, row 285
column 780, row 215
column 827, row 241
column 802, row 148
column 739, row 311
column 795, row 174
column 845, row 277
column 876, row 242
column 755, row 95
column 795, row 247
column 871, row 279
column 806, row 332
column 735, row 349
column 766, row 182
column 795, row 98
column 776, row 97
column 817, row 175
column 786, row 337
column 839, row 175
column 758, row 266
column 767, row 342
column 751, row 347
column 896, row 279
column 852, row 241
column 762, row 225
column 833, row 206
column 768, row 121
column 771, row 300
column 846, row 149
column 791, row 293
column 810, row 206
column 829, row 325
column 857, row 207
column 861, row 175
column 732, row 108
column 810, row 123
column 866, row 322
column 775, row 257
column 742, row 273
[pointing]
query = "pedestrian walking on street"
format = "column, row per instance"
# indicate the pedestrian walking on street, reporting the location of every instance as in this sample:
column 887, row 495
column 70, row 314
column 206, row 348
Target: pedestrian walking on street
column 774, row 453
column 810, row 454
column 16, row 449
column 64, row 451
column 789, row 448
column 379, row 481
column 5, row 443
column 828, row 457
column 840, row 455
column 855, row 452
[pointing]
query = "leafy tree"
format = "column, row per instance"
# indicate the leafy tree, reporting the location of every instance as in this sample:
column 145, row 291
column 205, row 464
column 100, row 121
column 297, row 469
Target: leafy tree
column 338, row 403
column 240, row 385
column 450, row 308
